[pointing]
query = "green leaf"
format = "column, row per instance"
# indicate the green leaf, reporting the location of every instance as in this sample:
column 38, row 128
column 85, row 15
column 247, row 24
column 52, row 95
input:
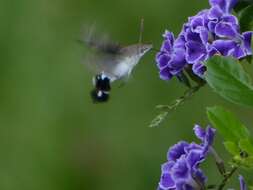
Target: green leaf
column 241, row 4
column 232, row 148
column 227, row 124
column 246, row 145
column 236, row 135
column 246, row 18
column 227, row 78
column 246, row 163
column 249, row 59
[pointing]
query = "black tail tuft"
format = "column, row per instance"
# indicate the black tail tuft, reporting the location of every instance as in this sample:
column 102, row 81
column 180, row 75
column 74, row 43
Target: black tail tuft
column 102, row 88
column 99, row 96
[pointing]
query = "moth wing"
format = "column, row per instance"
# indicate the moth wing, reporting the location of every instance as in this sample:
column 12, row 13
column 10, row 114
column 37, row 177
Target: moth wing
column 100, row 43
column 101, row 63
column 101, row 53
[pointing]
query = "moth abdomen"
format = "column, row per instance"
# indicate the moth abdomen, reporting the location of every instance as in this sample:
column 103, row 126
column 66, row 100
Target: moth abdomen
column 102, row 88
column 99, row 96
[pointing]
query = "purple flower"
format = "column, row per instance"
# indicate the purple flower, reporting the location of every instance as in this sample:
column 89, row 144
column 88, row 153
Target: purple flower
column 211, row 31
column 182, row 171
column 225, row 5
column 242, row 183
column 171, row 57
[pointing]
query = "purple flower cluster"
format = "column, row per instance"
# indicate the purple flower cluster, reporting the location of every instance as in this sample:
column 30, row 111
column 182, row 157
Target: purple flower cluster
column 182, row 171
column 211, row 31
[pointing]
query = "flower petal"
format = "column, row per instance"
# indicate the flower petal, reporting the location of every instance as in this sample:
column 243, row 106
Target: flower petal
column 209, row 137
column 230, row 19
column 165, row 73
column 199, row 132
column 166, row 182
column 224, row 47
column 195, row 157
column 178, row 61
column 184, row 186
column 215, row 13
column 166, row 167
column 196, row 22
column 225, row 5
column 195, row 52
column 192, row 36
column 177, row 150
column 238, row 52
column 211, row 25
column 200, row 177
column 199, row 69
column 247, row 40
column 162, row 60
column 181, row 171
column 169, row 36
column 242, row 183
column 225, row 30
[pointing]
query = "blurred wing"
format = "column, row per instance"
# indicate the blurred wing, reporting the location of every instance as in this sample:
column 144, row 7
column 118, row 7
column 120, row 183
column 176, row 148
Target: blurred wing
column 100, row 62
column 92, row 62
column 100, row 43
column 101, row 54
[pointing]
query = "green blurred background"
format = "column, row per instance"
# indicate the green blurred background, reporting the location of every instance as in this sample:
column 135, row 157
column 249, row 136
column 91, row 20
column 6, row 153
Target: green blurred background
column 52, row 136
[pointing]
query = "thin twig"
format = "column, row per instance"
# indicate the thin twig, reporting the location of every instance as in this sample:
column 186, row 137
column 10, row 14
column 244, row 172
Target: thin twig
column 141, row 30
column 210, row 186
column 173, row 106
column 219, row 162
column 226, row 178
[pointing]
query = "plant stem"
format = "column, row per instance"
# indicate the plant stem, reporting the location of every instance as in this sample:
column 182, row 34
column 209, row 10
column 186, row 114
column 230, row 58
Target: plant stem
column 226, row 178
column 188, row 93
column 219, row 162
column 173, row 106
column 210, row 186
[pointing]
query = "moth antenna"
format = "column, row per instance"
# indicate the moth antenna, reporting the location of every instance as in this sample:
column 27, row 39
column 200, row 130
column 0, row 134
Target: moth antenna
column 141, row 30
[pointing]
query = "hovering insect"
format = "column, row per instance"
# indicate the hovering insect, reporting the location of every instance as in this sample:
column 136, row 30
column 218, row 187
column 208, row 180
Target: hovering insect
column 111, row 61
